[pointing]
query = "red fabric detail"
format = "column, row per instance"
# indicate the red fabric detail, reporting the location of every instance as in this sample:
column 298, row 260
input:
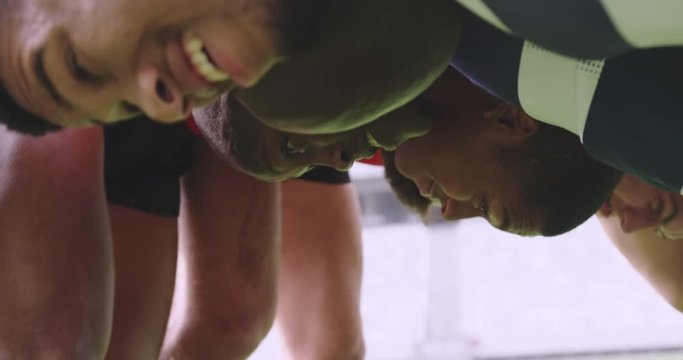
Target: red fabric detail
column 192, row 126
column 374, row 160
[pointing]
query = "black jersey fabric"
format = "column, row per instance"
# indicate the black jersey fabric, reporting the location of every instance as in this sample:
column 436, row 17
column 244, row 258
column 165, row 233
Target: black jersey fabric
column 634, row 121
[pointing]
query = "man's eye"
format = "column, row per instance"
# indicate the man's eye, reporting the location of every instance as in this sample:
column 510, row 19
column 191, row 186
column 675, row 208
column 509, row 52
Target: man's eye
column 78, row 71
column 288, row 149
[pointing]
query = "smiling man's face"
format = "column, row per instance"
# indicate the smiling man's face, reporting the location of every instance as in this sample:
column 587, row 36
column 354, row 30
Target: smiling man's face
column 458, row 164
column 77, row 62
column 459, row 167
column 484, row 157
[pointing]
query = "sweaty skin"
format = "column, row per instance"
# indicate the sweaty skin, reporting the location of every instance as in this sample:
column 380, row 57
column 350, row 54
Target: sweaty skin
column 456, row 162
column 391, row 52
column 173, row 56
column 658, row 260
column 639, row 205
column 77, row 62
column 270, row 154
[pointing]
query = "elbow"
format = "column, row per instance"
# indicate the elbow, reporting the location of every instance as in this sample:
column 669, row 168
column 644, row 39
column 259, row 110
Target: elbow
column 244, row 333
column 676, row 300
column 673, row 295
column 219, row 337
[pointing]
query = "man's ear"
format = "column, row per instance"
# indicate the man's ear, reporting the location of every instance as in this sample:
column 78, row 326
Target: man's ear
column 525, row 122
column 512, row 120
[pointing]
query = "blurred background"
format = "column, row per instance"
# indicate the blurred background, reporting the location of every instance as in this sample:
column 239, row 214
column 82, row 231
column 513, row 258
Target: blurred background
column 464, row 290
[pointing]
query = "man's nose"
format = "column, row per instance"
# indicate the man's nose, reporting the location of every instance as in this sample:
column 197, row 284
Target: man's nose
column 160, row 98
column 634, row 219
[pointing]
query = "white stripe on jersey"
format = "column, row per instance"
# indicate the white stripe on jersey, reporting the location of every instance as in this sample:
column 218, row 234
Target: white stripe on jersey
column 482, row 10
column 647, row 23
column 557, row 89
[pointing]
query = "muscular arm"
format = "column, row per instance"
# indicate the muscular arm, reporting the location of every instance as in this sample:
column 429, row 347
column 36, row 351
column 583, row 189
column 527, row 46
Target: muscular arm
column 145, row 248
column 224, row 301
column 658, row 260
column 55, row 249
column 320, row 272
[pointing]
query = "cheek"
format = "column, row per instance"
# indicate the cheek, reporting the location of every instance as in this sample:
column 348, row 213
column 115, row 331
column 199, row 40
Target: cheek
column 634, row 192
column 113, row 49
column 610, row 224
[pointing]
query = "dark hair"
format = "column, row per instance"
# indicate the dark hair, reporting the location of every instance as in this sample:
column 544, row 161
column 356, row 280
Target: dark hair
column 17, row 119
column 557, row 176
column 405, row 189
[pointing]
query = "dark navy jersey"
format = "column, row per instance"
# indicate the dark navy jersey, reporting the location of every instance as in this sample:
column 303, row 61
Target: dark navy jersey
column 590, row 29
column 625, row 109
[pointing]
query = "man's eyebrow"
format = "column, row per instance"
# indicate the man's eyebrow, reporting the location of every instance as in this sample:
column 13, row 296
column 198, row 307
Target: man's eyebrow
column 41, row 74
column 674, row 212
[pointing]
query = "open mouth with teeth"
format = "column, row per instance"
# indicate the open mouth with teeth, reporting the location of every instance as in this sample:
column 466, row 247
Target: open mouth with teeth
column 198, row 56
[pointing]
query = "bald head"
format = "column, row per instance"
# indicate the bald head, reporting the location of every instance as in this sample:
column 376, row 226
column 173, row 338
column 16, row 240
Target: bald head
column 373, row 56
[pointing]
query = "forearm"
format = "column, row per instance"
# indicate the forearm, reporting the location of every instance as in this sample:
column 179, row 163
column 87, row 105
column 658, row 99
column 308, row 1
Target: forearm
column 229, row 245
column 659, row 261
column 145, row 248
column 320, row 271
column 56, row 270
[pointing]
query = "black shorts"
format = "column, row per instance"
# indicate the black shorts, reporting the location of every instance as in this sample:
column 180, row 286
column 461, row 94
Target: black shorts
column 326, row 175
column 144, row 161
